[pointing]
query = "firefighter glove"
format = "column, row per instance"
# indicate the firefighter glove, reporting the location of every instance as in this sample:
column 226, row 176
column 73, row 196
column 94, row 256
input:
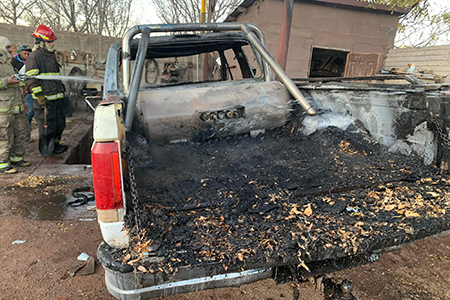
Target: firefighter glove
column 41, row 100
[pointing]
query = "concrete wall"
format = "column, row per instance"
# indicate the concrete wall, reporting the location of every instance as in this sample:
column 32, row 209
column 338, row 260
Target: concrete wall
column 66, row 40
column 435, row 59
column 315, row 25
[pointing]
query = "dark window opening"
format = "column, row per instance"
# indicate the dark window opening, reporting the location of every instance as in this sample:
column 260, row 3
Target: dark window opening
column 223, row 65
column 328, row 63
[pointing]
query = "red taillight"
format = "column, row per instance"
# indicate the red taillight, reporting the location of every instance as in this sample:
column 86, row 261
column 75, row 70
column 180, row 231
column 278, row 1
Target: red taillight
column 107, row 175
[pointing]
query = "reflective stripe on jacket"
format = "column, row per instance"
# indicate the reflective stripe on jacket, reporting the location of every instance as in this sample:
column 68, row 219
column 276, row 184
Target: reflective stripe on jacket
column 13, row 110
column 10, row 96
column 43, row 62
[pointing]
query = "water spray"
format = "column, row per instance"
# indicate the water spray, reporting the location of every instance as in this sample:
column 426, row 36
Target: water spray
column 23, row 77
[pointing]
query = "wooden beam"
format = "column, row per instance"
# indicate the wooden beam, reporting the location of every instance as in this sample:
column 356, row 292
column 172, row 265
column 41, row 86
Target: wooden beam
column 241, row 9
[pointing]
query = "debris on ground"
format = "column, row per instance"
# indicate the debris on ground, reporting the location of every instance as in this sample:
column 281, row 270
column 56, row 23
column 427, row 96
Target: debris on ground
column 46, row 185
column 88, row 268
column 337, row 291
column 82, row 269
column 83, row 256
column 425, row 75
column 241, row 201
column 18, row 242
column 72, row 271
column 34, row 181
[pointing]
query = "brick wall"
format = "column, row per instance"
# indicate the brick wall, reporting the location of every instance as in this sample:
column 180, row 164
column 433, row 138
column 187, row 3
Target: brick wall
column 66, row 40
column 315, row 25
column 435, row 59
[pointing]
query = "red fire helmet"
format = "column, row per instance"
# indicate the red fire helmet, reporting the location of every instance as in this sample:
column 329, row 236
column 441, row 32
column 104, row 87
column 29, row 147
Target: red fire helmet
column 45, row 33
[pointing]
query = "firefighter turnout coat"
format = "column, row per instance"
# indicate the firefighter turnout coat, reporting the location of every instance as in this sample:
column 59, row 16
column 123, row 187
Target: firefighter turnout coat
column 43, row 62
column 10, row 96
column 14, row 127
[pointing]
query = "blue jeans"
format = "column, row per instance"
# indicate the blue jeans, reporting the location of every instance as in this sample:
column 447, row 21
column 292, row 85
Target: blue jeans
column 30, row 113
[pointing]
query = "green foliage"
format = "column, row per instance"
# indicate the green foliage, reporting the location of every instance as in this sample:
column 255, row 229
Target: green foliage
column 422, row 26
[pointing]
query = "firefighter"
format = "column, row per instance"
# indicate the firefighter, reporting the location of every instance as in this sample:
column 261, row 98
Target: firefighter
column 18, row 62
column 8, row 48
column 14, row 127
column 42, row 60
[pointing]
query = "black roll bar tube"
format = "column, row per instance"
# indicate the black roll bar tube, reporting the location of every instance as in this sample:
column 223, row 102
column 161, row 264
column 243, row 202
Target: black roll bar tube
column 137, row 75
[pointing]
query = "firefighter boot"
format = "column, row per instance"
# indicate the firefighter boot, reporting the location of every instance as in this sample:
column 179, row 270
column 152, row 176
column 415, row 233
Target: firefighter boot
column 59, row 148
column 20, row 163
column 8, row 170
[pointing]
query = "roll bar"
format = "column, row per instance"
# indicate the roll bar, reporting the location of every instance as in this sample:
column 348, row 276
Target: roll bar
column 254, row 36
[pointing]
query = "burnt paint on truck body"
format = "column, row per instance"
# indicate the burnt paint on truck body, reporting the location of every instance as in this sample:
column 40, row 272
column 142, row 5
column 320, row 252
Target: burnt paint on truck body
column 174, row 113
column 237, row 206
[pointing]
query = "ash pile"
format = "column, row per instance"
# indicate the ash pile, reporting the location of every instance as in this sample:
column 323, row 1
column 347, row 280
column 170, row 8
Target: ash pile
column 279, row 198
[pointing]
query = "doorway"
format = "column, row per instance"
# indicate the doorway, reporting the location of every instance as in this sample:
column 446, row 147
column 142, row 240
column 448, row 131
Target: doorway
column 328, row 62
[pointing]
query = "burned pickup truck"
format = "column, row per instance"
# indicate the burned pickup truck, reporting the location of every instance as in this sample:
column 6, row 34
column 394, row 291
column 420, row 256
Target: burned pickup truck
column 208, row 173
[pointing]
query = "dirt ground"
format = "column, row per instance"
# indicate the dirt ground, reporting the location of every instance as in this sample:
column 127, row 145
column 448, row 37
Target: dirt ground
column 55, row 236
column 35, row 211
column 223, row 201
column 33, row 270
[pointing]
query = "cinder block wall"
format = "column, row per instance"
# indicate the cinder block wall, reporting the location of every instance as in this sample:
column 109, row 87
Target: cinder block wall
column 66, row 40
column 315, row 25
column 435, row 59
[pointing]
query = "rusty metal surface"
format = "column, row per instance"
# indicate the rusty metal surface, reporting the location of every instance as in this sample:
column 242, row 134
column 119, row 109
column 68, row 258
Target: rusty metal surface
column 361, row 64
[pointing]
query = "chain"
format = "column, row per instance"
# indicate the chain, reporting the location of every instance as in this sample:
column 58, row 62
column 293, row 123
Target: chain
column 442, row 135
column 133, row 191
column 134, row 202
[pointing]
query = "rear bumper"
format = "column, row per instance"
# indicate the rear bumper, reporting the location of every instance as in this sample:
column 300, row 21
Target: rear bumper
column 123, row 283
column 113, row 233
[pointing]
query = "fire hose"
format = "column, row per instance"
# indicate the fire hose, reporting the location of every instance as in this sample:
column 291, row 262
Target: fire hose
column 82, row 196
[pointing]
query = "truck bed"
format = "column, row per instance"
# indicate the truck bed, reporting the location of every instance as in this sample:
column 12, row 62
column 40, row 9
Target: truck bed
column 277, row 199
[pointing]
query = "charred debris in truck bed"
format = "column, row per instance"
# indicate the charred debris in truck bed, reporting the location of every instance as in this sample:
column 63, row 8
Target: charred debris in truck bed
column 281, row 198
